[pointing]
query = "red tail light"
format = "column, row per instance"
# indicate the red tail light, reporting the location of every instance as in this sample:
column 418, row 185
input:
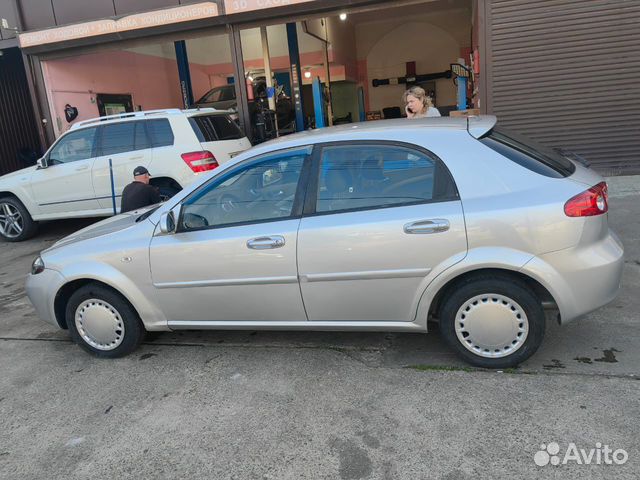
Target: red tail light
column 200, row 161
column 594, row 201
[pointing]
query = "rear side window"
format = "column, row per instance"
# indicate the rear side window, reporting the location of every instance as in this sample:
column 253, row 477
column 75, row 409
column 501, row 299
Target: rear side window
column 361, row 176
column 527, row 154
column 211, row 128
column 118, row 138
column 160, row 132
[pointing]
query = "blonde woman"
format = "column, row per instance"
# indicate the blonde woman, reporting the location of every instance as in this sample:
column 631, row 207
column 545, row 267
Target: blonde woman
column 418, row 104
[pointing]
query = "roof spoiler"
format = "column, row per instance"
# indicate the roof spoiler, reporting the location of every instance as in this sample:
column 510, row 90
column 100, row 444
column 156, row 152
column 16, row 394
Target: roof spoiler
column 477, row 126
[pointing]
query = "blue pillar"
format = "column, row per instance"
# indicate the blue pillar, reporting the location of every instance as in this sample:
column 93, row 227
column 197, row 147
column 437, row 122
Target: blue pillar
column 183, row 72
column 296, row 80
column 318, row 103
column 462, row 93
column 361, row 111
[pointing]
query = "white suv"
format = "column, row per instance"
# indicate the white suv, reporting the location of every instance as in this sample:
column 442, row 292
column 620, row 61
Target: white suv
column 86, row 169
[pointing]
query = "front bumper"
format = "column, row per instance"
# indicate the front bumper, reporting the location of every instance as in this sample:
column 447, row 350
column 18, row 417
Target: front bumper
column 41, row 290
column 583, row 278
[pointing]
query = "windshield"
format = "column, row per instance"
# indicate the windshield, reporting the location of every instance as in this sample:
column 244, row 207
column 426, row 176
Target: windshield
column 219, row 94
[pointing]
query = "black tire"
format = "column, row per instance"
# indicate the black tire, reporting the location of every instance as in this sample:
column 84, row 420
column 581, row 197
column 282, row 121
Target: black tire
column 166, row 192
column 495, row 293
column 13, row 215
column 125, row 321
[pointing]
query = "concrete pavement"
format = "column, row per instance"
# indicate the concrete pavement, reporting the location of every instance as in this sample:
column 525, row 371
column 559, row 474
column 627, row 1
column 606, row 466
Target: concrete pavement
column 276, row 405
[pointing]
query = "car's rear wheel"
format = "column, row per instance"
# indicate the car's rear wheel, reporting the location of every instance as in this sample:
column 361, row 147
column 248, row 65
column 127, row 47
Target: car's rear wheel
column 102, row 322
column 493, row 322
column 166, row 192
column 16, row 223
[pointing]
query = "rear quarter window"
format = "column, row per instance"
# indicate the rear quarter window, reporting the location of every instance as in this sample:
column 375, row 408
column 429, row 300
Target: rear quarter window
column 212, row 128
column 536, row 158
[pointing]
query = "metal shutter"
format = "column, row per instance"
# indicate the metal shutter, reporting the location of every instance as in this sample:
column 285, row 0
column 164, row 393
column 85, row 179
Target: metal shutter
column 567, row 73
column 18, row 129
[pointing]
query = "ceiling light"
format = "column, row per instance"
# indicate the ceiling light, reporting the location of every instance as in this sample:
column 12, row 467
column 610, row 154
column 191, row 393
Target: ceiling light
column 307, row 74
column 343, row 16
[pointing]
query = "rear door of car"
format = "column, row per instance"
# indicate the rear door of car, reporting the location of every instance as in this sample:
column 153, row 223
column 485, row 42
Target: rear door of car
column 379, row 218
column 220, row 135
column 127, row 145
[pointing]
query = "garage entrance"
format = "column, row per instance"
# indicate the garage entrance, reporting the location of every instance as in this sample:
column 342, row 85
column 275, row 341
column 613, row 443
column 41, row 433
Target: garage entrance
column 361, row 59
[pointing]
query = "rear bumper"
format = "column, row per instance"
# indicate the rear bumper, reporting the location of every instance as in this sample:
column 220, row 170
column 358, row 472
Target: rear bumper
column 582, row 278
column 41, row 290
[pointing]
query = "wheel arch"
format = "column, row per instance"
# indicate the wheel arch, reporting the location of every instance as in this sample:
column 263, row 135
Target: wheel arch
column 64, row 294
column 539, row 290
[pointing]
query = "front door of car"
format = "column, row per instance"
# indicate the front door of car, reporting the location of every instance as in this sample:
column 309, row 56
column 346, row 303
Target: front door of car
column 381, row 218
column 65, row 186
column 126, row 144
column 233, row 256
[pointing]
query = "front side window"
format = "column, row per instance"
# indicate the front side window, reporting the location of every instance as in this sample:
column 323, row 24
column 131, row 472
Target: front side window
column 361, row 176
column 262, row 190
column 73, row 147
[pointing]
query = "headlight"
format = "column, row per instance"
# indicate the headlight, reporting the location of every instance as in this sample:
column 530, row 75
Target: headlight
column 37, row 266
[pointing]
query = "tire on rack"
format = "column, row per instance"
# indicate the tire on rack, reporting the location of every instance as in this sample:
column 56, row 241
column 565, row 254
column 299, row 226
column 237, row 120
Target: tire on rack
column 16, row 223
column 103, row 322
column 492, row 322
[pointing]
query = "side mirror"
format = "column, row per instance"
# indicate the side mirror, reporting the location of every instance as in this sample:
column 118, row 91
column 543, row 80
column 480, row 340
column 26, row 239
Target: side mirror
column 167, row 223
column 42, row 163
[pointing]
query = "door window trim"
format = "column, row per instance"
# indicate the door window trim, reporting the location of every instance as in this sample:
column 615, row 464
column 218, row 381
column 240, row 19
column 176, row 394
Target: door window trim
column 298, row 201
column 312, row 195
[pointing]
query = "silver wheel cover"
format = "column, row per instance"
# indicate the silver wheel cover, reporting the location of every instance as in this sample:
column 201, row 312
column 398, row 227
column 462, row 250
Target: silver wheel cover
column 11, row 221
column 99, row 324
column 491, row 325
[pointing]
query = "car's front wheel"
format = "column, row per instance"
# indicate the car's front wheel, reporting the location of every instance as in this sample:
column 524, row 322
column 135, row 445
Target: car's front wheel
column 102, row 322
column 493, row 322
column 16, row 223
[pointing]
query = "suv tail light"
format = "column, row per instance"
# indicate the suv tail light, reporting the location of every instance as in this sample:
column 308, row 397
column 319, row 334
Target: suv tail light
column 200, row 161
column 594, row 201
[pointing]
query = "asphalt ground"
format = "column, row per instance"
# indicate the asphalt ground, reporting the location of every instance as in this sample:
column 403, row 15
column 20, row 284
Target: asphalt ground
column 291, row 405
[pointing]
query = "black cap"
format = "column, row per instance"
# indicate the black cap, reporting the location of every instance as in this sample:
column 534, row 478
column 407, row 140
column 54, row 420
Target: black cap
column 139, row 171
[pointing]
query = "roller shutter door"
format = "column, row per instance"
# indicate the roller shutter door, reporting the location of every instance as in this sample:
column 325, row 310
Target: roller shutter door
column 567, row 73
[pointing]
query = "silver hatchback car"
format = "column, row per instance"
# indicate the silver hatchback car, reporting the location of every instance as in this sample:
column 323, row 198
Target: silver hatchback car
column 375, row 226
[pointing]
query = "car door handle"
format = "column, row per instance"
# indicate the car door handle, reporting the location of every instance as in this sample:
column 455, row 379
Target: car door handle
column 265, row 243
column 436, row 225
column 84, row 167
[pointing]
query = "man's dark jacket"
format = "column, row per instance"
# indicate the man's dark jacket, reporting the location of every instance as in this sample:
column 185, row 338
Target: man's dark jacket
column 137, row 195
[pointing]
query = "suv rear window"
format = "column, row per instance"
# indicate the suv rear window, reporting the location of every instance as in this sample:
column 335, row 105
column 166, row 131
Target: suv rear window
column 160, row 132
column 211, row 128
column 526, row 153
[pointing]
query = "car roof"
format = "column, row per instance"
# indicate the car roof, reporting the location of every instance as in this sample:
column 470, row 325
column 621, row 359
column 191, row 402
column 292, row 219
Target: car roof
column 475, row 125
